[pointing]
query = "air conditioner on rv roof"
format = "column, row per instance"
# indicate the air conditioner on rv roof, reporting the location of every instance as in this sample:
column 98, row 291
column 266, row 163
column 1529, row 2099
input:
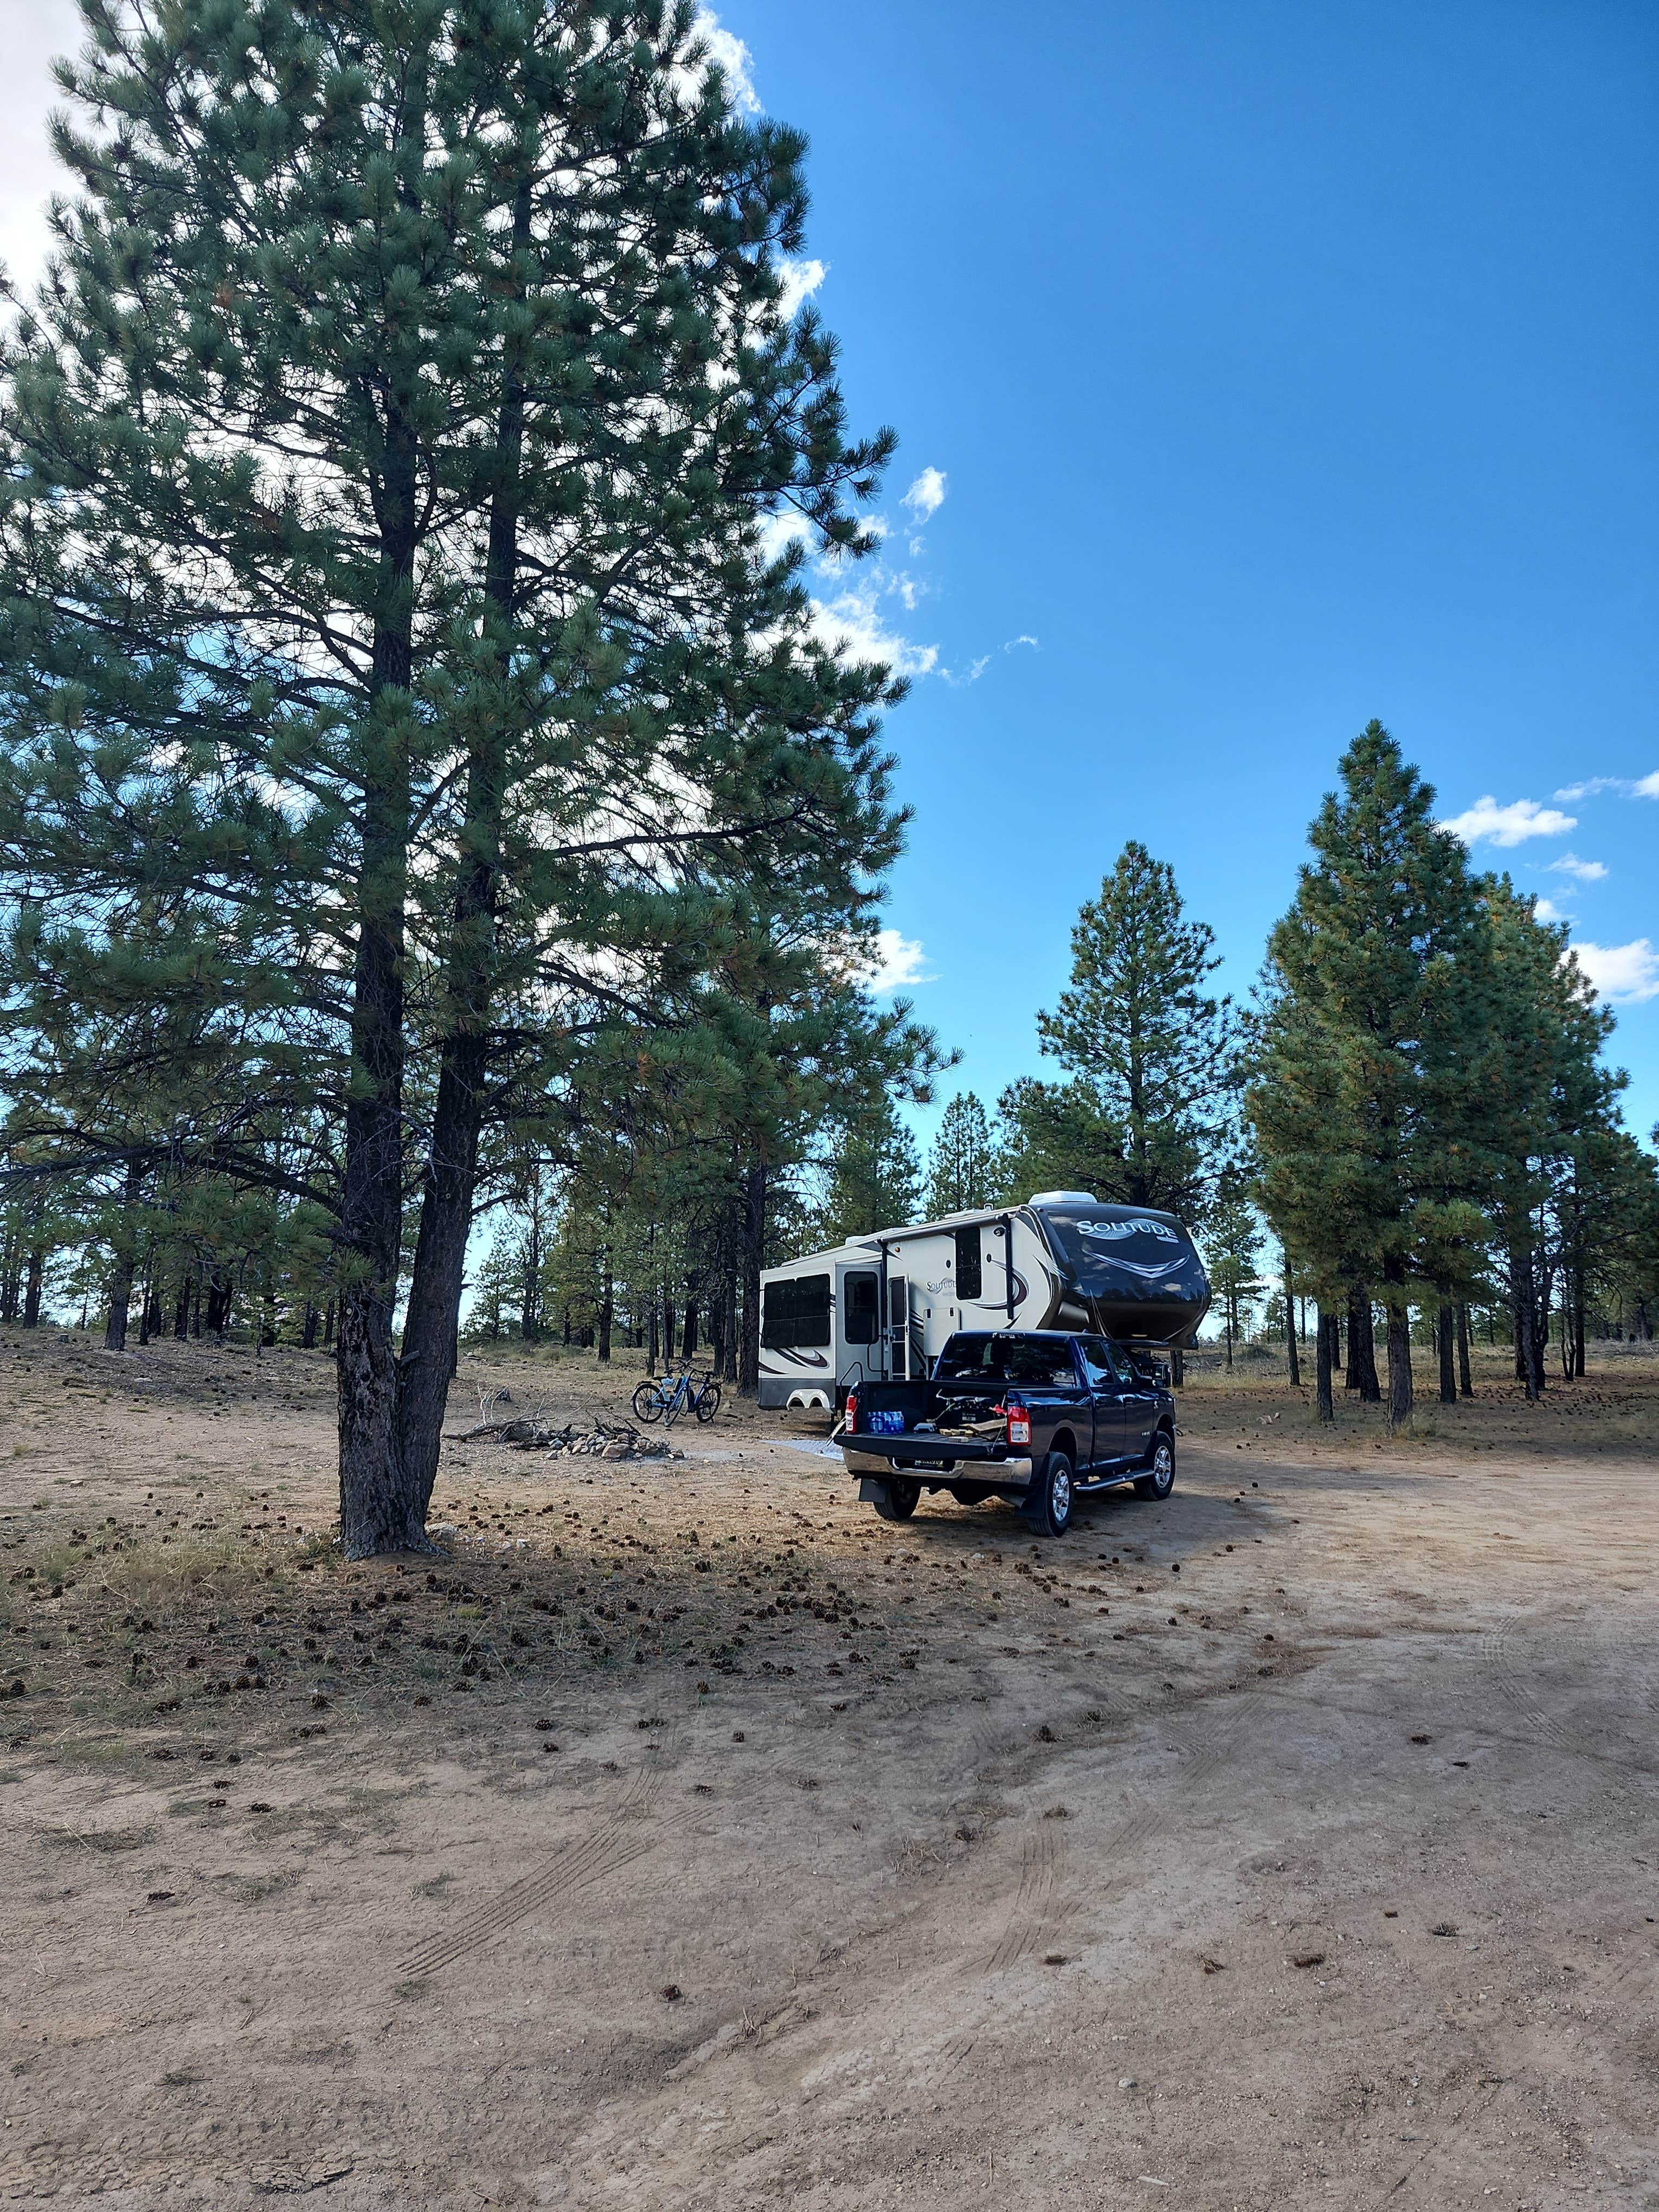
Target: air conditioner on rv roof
column 1061, row 1198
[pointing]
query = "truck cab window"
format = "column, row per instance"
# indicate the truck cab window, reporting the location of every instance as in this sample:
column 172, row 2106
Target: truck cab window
column 969, row 1278
column 1037, row 1360
column 863, row 1295
column 1120, row 1361
column 1097, row 1368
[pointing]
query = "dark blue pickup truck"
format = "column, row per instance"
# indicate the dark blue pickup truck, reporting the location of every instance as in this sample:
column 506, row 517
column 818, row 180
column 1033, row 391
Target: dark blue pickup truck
column 1035, row 1415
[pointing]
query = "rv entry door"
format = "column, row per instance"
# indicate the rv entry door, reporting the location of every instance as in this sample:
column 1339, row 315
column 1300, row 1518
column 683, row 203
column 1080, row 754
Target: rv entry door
column 898, row 1328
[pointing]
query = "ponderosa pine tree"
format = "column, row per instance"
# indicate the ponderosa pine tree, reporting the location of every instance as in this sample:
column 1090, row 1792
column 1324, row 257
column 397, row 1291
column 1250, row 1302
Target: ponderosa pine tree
column 872, row 1177
column 385, row 460
column 1232, row 1248
column 961, row 1162
column 1372, row 1043
column 1149, row 1048
column 1551, row 1119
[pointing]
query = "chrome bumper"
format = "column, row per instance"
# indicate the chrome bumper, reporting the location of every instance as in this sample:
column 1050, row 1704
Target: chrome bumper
column 1012, row 1474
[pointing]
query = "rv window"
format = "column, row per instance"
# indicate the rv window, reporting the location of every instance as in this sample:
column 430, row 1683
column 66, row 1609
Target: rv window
column 863, row 1308
column 796, row 1313
column 969, row 1282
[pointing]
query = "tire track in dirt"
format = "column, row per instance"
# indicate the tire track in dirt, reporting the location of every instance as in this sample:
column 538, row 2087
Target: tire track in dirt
column 1041, row 1903
column 1495, row 1648
column 1029, row 1910
column 618, row 1839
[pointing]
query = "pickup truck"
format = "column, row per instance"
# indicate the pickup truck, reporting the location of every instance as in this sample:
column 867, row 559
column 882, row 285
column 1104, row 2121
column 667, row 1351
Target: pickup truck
column 1035, row 1415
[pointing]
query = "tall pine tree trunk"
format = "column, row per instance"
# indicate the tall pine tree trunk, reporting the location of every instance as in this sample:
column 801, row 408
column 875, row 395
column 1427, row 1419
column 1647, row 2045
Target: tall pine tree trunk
column 1399, row 1344
column 1362, row 1350
column 729, row 1357
column 380, row 1509
column 127, row 1244
column 1465, row 1380
column 753, row 1225
column 1324, row 1400
column 11, row 1284
column 1289, row 1326
column 34, row 1284
column 432, row 1318
column 1443, row 1335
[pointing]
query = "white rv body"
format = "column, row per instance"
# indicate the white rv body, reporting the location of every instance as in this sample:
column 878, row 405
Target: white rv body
column 825, row 1325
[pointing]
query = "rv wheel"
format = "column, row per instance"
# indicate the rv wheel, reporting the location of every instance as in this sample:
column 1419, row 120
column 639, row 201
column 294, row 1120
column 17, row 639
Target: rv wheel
column 899, row 1498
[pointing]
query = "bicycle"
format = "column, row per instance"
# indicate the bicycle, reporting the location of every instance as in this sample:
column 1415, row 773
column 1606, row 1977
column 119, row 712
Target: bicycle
column 670, row 1395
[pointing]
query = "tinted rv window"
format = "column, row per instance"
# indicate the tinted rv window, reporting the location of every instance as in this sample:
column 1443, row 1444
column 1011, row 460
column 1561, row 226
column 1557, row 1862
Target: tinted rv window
column 796, row 1313
column 863, row 1297
column 968, row 1269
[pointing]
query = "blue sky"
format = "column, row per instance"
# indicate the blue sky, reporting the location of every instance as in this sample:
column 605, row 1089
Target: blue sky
column 1283, row 365
column 1260, row 365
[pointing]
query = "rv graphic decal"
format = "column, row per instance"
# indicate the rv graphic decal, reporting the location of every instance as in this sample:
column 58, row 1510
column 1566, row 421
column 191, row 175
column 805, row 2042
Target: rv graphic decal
column 796, row 1358
column 1114, row 1232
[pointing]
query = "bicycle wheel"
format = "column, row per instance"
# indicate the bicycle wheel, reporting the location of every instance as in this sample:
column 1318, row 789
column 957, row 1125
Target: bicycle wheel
column 674, row 1402
column 707, row 1400
column 648, row 1402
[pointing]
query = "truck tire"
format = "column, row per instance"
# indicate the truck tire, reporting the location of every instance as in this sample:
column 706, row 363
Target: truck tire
column 1048, row 1502
column 1160, row 1478
column 901, row 1495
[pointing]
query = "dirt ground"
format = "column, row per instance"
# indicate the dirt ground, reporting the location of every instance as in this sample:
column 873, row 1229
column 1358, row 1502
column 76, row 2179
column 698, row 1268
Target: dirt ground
column 689, row 1836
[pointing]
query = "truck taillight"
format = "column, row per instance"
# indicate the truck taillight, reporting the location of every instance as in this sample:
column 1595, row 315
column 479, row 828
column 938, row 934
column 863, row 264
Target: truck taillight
column 1019, row 1424
column 851, row 1409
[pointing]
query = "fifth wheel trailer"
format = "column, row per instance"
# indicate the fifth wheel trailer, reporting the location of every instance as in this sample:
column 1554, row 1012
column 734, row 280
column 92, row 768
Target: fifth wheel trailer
column 881, row 1306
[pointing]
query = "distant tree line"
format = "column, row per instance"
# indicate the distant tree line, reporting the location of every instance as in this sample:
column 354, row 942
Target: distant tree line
column 1416, row 1114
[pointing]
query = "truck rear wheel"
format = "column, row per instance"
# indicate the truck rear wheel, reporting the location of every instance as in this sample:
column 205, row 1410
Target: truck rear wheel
column 899, row 1497
column 1049, row 1501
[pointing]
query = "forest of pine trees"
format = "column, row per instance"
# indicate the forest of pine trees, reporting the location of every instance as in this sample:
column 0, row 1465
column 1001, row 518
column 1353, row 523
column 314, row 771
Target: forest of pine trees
column 440, row 858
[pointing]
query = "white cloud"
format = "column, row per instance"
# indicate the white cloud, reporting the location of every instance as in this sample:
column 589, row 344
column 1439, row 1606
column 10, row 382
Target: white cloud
column 737, row 62
column 780, row 531
column 800, row 280
column 1624, row 973
column 1024, row 638
column 898, row 961
column 1582, row 872
column 926, row 495
column 35, row 34
column 1487, row 823
column 853, row 621
column 1544, row 909
column 1641, row 787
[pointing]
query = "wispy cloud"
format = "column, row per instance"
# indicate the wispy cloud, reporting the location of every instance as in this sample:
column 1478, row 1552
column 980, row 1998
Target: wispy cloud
column 926, row 495
column 800, row 280
column 899, row 961
column 1547, row 910
column 1487, row 823
column 737, row 64
column 1640, row 787
column 1582, row 872
column 853, row 621
column 1626, row 974
column 1024, row 638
